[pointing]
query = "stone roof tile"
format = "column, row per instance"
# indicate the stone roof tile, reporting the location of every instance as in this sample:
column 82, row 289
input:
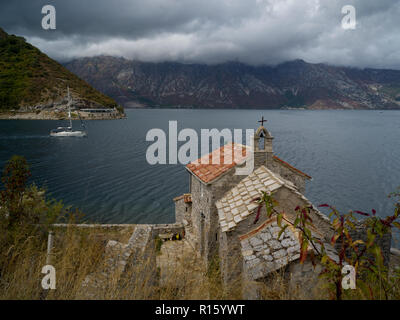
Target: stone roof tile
column 264, row 253
column 241, row 204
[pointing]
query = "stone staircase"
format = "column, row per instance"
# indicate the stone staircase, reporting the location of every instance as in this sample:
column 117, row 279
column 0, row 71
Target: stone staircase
column 117, row 258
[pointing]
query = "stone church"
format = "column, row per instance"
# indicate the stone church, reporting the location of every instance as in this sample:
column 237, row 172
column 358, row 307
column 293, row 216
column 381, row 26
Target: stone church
column 219, row 215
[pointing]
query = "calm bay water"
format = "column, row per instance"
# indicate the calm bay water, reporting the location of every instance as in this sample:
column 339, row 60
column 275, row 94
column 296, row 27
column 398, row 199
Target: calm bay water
column 353, row 157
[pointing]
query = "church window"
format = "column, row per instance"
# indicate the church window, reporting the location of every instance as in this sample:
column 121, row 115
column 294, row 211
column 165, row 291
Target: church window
column 261, row 141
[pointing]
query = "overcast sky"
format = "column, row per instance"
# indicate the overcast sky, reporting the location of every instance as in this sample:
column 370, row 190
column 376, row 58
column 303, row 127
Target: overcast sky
column 213, row 31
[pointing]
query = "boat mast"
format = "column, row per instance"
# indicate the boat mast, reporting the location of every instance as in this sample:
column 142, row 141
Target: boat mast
column 69, row 108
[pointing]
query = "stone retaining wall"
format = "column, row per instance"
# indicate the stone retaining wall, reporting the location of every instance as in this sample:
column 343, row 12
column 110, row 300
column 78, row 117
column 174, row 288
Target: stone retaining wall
column 176, row 228
column 102, row 226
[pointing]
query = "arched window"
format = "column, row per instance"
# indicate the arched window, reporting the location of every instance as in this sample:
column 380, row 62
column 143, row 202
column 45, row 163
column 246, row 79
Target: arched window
column 261, row 141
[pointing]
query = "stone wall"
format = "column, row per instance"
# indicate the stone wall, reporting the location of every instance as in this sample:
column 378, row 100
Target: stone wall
column 94, row 226
column 201, row 205
column 183, row 216
column 303, row 280
column 288, row 174
column 175, row 228
column 266, row 158
column 260, row 159
column 288, row 199
column 180, row 209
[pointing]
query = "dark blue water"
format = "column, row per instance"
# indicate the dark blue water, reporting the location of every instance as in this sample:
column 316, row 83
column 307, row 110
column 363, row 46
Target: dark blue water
column 353, row 157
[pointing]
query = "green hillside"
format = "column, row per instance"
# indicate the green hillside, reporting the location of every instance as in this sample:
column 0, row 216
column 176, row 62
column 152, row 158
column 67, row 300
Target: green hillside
column 28, row 77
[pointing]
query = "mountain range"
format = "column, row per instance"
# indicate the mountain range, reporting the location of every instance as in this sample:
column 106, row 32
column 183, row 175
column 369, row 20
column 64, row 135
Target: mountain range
column 294, row 84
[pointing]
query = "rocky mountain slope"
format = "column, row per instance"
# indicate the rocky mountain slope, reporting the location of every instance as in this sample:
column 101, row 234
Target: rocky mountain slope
column 236, row 85
column 32, row 82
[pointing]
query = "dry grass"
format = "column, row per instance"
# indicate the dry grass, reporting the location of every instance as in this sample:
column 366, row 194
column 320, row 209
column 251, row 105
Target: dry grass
column 83, row 272
column 80, row 260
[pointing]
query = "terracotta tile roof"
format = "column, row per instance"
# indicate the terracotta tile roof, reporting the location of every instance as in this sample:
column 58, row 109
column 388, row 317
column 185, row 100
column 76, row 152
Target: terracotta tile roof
column 291, row 167
column 229, row 156
column 207, row 172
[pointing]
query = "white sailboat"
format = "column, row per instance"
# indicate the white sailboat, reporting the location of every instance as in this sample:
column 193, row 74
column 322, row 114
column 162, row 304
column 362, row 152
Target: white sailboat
column 68, row 131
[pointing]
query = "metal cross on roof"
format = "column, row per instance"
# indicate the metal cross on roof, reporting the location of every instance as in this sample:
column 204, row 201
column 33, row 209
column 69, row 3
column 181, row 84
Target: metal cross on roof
column 262, row 121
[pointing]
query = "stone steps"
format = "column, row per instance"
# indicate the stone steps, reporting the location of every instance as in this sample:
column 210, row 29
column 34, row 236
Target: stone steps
column 116, row 258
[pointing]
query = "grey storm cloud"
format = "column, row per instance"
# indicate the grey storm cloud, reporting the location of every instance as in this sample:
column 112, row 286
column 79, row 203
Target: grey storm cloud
column 213, row 31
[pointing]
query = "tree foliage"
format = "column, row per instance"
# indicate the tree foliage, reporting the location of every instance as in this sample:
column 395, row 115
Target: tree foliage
column 25, row 214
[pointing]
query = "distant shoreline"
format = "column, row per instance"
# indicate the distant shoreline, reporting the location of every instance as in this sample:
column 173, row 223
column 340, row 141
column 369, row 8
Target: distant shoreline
column 250, row 109
column 50, row 115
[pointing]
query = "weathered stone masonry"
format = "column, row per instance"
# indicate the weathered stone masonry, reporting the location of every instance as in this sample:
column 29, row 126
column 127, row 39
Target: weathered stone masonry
column 209, row 183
